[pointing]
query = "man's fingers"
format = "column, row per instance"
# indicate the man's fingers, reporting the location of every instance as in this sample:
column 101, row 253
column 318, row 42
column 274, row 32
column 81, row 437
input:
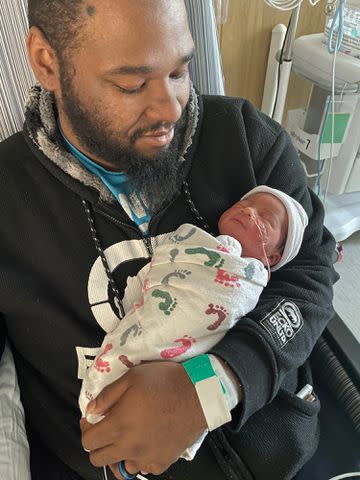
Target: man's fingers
column 131, row 467
column 108, row 397
column 154, row 469
column 108, row 456
column 115, row 469
column 103, row 434
column 84, row 425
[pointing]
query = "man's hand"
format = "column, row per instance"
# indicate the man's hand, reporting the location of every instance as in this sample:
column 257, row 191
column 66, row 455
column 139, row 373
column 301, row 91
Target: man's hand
column 152, row 414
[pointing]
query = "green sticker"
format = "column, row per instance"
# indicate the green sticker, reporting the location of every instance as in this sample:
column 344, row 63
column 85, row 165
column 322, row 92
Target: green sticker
column 341, row 121
column 199, row 368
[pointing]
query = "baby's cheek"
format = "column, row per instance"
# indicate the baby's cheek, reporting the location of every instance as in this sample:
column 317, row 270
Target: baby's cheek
column 250, row 244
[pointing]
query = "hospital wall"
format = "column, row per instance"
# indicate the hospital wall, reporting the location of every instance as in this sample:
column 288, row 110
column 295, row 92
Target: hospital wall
column 245, row 42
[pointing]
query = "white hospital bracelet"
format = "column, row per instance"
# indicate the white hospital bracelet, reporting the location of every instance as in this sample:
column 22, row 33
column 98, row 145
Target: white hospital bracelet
column 232, row 390
column 210, row 391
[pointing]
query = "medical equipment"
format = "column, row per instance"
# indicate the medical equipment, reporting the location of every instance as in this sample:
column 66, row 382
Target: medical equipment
column 280, row 59
column 310, row 128
column 288, row 4
column 325, row 133
column 279, row 67
column 346, row 475
column 351, row 29
column 307, row 393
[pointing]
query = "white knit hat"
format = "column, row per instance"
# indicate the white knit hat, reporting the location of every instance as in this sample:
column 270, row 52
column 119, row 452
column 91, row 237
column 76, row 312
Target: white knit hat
column 297, row 222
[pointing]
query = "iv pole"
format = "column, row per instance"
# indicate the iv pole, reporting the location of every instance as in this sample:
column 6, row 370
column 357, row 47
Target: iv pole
column 284, row 69
column 275, row 95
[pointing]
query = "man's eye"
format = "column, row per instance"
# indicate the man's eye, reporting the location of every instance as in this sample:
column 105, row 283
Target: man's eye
column 131, row 91
column 179, row 75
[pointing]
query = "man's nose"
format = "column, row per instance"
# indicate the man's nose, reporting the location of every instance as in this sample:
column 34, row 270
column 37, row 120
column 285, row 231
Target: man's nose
column 164, row 105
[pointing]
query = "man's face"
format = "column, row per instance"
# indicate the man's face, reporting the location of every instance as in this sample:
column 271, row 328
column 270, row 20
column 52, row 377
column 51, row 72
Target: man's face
column 123, row 93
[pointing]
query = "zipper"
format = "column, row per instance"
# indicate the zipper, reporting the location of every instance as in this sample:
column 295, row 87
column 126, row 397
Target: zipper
column 145, row 239
column 163, row 210
column 116, row 221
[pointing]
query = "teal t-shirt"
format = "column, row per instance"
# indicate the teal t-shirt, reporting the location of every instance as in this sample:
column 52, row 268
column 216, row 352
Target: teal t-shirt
column 119, row 186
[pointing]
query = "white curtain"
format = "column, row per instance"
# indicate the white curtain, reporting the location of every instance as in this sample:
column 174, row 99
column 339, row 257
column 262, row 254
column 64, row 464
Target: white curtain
column 206, row 68
column 16, row 76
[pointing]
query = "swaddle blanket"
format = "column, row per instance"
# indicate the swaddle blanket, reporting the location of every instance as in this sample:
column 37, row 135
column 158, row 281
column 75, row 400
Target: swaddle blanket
column 194, row 290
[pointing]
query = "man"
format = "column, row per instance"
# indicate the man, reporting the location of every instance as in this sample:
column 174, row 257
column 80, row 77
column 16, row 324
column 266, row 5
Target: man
column 117, row 150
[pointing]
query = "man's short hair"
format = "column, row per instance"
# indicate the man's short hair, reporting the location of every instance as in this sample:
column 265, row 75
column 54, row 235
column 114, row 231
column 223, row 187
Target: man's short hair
column 60, row 22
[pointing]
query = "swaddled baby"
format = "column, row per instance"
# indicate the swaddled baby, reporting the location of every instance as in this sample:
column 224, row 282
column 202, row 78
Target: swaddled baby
column 197, row 287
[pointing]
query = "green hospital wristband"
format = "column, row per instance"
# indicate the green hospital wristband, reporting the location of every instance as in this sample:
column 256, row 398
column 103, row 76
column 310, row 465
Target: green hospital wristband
column 200, row 368
column 210, row 391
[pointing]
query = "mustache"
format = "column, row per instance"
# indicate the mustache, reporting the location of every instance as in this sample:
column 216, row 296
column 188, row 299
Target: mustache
column 156, row 127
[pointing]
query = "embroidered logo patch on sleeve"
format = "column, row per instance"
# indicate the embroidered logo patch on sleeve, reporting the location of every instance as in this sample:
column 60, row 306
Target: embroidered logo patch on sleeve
column 283, row 323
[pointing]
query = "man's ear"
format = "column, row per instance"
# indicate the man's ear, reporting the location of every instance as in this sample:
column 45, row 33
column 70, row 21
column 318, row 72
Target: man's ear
column 42, row 59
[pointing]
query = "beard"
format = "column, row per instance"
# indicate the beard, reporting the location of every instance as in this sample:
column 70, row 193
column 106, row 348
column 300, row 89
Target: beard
column 156, row 178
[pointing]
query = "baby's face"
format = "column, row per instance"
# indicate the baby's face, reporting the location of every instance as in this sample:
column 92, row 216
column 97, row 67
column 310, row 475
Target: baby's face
column 260, row 224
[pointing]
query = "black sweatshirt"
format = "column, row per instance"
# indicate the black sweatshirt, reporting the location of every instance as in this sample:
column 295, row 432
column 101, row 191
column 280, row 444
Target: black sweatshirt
column 55, row 297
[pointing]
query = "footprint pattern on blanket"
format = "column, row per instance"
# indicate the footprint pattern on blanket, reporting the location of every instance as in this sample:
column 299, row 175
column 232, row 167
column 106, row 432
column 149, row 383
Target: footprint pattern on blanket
column 213, row 257
column 227, row 279
column 173, row 254
column 176, row 238
column 221, row 313
column 222, row 248
column 168, row 303
column 125, row 361
column 250, row 271
column 100, row 364
column 172, row 352
column 182, row 274
column 135, row 330
column 145, row 288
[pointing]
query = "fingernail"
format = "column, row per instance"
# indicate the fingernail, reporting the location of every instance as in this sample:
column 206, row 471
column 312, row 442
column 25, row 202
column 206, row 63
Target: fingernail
column 91, row 406
column 94, row 418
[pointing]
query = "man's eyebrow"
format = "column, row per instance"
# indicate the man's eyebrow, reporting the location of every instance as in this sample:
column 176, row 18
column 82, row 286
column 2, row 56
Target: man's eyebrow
column 144, row 69
column 187, row 58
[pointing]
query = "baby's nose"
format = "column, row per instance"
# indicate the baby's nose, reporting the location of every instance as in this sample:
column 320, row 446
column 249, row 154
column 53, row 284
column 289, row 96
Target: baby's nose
column 249, row 211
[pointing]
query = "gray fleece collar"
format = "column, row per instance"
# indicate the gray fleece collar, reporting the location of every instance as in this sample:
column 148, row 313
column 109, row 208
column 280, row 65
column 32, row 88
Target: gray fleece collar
column 40, row 121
